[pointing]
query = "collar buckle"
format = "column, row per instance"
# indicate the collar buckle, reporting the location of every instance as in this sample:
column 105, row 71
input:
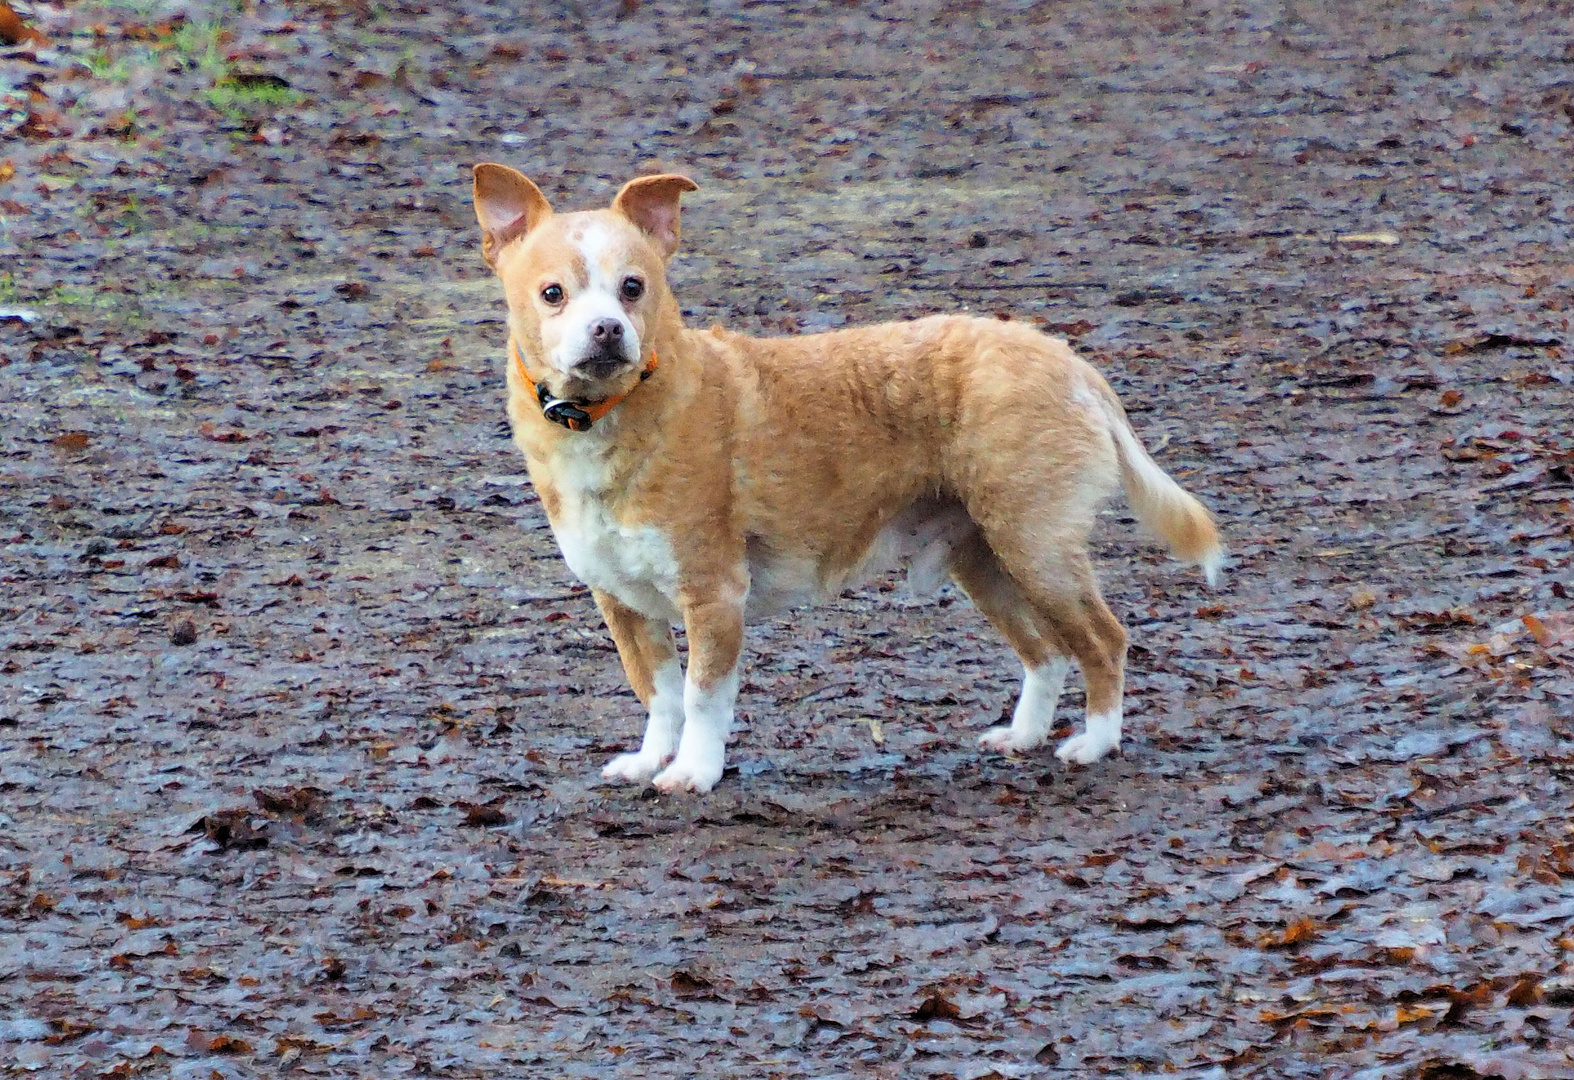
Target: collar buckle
column 562, row 411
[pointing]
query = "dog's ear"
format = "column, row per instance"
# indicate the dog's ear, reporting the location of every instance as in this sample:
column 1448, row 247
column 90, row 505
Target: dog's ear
column 651, row 202
column 507, row 205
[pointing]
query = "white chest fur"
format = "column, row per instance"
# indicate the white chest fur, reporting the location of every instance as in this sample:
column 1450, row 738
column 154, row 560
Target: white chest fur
column 635, row 563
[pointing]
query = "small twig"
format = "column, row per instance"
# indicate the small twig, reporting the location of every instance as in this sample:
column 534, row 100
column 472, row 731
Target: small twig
column 1454, row 808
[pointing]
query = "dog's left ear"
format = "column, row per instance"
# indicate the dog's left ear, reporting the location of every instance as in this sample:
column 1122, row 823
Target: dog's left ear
column 651, row 202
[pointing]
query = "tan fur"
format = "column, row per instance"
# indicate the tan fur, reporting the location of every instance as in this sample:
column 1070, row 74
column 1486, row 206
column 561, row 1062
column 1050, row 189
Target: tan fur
column 748, row 453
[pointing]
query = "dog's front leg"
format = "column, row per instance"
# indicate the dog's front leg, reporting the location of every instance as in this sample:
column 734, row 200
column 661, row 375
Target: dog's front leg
column 650, row 659
column 715, row 632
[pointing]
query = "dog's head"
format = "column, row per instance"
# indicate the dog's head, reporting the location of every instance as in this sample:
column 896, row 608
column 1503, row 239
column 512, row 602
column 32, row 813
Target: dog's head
column 586, row 291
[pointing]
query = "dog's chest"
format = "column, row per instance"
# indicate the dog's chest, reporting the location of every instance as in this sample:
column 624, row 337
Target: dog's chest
column 635, row 563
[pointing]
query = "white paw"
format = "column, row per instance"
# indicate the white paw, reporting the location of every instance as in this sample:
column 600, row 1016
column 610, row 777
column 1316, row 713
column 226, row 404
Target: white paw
column 636, row 767
column 1086, row 748
column 689, row 775
column 1004, row 740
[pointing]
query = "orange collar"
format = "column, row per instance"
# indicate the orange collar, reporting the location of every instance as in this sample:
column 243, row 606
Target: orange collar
column 574, row 415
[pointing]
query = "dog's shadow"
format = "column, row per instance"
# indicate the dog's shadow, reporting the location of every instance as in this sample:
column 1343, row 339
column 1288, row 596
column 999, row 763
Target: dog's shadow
column 954, row 792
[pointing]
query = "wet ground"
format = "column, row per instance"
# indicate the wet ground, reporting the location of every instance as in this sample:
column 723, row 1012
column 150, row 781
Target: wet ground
column 301, row 714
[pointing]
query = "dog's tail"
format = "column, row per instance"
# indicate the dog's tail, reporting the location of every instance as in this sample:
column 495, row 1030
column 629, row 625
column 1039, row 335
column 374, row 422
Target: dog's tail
column 1160, row 503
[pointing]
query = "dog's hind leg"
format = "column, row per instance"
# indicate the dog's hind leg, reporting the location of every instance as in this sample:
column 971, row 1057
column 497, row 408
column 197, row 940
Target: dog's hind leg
column 650, row 659
column 1073, row 611
column 1044, row 665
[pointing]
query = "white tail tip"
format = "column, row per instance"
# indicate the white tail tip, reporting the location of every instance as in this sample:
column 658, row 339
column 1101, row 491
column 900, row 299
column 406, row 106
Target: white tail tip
column 1213, row 567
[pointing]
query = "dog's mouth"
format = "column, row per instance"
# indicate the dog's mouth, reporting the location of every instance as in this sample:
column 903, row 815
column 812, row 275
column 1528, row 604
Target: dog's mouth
column 601, row 365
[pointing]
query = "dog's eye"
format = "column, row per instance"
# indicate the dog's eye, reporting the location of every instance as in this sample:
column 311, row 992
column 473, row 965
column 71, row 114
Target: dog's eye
column 633, row 288
column 552, row 294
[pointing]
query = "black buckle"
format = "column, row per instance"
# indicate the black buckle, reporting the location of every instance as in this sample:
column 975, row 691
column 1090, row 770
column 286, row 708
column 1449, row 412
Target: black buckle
column 561, row 410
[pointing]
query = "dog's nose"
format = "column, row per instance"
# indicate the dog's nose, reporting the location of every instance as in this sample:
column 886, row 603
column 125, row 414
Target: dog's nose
column 606, row 332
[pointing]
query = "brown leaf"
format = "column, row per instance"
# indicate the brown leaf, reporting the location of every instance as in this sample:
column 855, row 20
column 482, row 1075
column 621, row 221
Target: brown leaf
column 71, row 440
column 13, row 31
column 207, row 599
column 484, row 816
column 1069, row 329
column 289, row 800
column 1412, row 1014
column 236, row 829
column 936, row 1007
column 1428, row 622
column 213, row 434
column 1526, row 991
column 1297, row 933
column 1460, row 1002
column 1538, row 630
column 689, row 983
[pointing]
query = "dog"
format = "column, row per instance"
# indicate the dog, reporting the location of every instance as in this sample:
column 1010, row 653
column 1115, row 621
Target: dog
column 706, row 476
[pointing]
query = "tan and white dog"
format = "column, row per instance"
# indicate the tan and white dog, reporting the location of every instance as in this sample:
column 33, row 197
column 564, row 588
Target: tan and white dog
column 705, row 476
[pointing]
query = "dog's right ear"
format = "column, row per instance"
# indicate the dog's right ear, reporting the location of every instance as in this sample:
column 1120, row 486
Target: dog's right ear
column 507, row 205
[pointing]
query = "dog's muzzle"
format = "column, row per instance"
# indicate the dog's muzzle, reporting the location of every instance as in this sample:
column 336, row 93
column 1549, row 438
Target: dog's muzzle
column 608, row 351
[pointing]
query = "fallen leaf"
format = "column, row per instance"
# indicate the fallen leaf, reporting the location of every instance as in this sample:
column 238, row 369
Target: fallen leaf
column 483, row 815
column 213, row 434
column 1298, row 932
column 1413, row 1014
column 1526, row 991
column 689, row 983
column 290, row 800
column 13, row 31
column 235, row 829
column 1461, row 1002
column 936, row 1007
column 229, row 1044
column 1538, row 630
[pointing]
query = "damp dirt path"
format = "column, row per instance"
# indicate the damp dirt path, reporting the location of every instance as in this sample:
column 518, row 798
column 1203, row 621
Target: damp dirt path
column 301, row 714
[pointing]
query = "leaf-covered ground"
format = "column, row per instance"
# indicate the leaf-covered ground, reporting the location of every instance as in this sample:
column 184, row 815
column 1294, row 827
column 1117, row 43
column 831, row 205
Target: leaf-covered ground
column 301, row 714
